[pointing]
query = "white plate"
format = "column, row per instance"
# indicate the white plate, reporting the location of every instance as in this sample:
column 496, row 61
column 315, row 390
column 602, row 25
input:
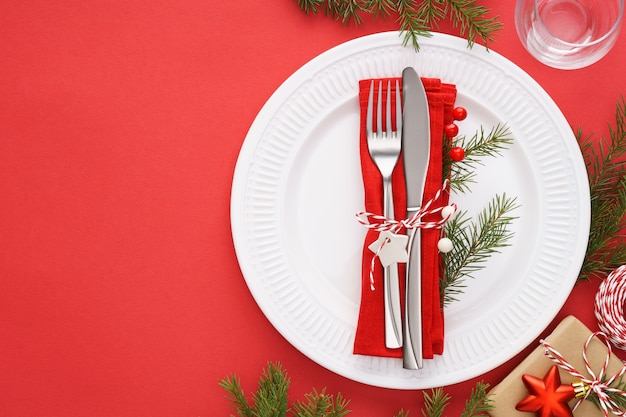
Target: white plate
column 297, row 188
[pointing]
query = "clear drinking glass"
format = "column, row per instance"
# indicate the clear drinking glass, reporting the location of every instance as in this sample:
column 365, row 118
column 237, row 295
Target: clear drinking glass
column 568, row 34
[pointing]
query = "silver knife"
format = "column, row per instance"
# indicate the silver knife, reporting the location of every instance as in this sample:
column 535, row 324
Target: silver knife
column 415, row 155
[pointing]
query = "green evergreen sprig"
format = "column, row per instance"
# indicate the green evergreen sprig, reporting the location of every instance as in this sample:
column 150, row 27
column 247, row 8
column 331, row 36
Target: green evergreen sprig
column 416, row 18
column 606, row 165
column 476, row 148
column 479, row 403
column 472, row 21
column 272, row 399
column 473, row 242
column 412, row 22
column 320, row 404
column 435, row 402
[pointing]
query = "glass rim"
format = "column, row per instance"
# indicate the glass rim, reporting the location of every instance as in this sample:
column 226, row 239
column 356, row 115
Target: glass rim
column 609, row 33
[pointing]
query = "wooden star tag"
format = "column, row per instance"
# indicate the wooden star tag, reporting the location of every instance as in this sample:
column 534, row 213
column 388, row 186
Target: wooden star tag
column 390, row 248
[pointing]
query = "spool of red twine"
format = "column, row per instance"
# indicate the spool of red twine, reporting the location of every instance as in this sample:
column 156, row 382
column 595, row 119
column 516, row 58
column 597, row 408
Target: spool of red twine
column 609, row 307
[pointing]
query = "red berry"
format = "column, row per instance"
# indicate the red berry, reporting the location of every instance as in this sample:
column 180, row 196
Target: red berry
column 451, row 130
column 459, row 113
column 457, row 154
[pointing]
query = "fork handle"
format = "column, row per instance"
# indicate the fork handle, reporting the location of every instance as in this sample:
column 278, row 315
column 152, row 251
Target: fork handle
column 388, row 208
column 391, row 285
column 393, row 315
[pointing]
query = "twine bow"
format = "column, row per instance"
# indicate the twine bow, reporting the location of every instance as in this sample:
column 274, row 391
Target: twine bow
column 596, row 383
column 381, row 223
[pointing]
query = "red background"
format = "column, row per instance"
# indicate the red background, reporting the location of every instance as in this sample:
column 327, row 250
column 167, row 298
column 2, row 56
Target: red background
column 120, row 125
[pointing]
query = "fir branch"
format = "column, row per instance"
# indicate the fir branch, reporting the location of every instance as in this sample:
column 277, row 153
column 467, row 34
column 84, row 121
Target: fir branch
column 479, row 403
column 607, row 185
column 472, row 20
column 236, row 396
column 346, row 11
column 435, row 402
column 411, row 24
column 319, row 404
column 473, row 243
column 380, row 8
column 415, row 18
column 310, row 6
column 270, row 399
column 271, row 396
column 431, row 12
column 477, row 147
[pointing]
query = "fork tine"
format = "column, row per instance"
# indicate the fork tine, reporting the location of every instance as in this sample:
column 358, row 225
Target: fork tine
column 370, row 109
column 388, row 108
column 379, row 110
column 398, row 109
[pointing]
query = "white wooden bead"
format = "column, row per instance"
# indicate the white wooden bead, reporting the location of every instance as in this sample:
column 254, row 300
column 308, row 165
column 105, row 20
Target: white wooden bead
column 446, row 211
column 444, row 245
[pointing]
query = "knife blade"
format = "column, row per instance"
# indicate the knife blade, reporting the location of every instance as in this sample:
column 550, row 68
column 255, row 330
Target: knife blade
column 415, row 156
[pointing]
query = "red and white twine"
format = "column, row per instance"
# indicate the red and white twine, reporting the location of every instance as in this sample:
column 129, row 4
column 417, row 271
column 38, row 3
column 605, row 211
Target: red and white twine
column 372, row 265
column 382, row 224
column 609, row 307
column 598, row 384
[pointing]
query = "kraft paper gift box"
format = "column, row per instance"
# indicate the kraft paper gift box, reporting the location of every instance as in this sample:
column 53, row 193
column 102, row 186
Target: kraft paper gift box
column 569, row 339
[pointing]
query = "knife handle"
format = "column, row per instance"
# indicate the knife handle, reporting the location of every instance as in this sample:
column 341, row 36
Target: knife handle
column 412, row 329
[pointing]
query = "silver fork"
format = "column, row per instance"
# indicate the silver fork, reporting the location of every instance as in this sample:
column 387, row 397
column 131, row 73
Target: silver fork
column 384, row 149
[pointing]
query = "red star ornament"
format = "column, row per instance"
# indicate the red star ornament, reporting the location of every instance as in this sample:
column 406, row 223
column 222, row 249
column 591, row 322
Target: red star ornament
column 547, row 398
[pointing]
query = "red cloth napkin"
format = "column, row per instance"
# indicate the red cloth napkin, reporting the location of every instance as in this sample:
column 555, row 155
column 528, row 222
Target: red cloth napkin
column 370, row 339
